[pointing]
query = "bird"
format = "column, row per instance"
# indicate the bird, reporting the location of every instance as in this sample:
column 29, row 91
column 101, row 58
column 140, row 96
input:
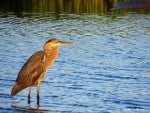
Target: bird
column 36, row 67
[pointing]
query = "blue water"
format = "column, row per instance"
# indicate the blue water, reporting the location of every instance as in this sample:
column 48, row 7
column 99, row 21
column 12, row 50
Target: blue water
column 106, row 71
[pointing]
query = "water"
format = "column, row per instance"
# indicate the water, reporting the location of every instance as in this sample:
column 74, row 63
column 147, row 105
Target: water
column 107, row 71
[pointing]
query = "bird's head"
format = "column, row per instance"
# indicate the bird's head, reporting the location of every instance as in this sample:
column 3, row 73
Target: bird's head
column 52, row 43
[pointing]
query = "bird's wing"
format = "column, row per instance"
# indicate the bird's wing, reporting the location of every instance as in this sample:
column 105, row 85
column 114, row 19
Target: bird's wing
column 33, row 69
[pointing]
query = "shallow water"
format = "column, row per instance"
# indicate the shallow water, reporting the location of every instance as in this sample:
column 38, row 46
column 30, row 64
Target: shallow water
column 107, row 71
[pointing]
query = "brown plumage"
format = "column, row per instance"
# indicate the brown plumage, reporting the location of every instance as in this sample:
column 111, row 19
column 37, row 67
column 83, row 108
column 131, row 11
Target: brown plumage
column 36, row 67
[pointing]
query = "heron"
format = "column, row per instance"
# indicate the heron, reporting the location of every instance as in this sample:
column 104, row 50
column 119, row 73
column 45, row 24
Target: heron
column 35, row 68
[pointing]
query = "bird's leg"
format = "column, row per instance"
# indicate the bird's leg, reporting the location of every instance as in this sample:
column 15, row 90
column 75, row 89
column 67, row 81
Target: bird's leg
column 38, row 96
column 29, row 95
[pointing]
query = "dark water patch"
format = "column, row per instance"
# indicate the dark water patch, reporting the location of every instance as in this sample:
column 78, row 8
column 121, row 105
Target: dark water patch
column 10, row 110
column 119, row 77
column 5, row 95
column 115, row 77
column 75, row 87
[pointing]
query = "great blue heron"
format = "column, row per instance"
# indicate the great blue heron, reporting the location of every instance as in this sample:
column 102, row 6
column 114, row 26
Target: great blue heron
column 36, row 67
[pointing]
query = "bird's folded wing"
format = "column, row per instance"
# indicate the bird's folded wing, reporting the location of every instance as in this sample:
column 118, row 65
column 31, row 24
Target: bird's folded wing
column 33, row 68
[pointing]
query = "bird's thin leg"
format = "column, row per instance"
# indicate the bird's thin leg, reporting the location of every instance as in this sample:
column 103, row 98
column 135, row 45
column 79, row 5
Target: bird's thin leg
column 29, row 95
column 38, row 95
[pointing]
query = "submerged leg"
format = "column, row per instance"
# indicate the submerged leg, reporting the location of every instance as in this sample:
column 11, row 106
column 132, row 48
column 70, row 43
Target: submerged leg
column 38, row 95
column 29, row 95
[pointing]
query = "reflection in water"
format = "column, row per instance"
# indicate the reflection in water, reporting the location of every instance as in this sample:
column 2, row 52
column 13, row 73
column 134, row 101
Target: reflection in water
column 21, row 7
column 57, row 6
column 133, row 5
column 29, row 109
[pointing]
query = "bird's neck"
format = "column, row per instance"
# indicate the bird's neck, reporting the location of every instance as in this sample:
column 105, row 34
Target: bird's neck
column 51, row 55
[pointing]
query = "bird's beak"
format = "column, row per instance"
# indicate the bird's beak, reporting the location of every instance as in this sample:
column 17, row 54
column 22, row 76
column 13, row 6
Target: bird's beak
column 62, row 43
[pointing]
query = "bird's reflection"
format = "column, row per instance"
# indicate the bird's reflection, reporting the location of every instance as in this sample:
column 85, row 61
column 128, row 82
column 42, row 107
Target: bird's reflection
column 29, row 109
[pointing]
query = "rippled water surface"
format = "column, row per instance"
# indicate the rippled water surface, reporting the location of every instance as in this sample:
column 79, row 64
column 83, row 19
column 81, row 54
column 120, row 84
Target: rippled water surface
column 107, row 71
